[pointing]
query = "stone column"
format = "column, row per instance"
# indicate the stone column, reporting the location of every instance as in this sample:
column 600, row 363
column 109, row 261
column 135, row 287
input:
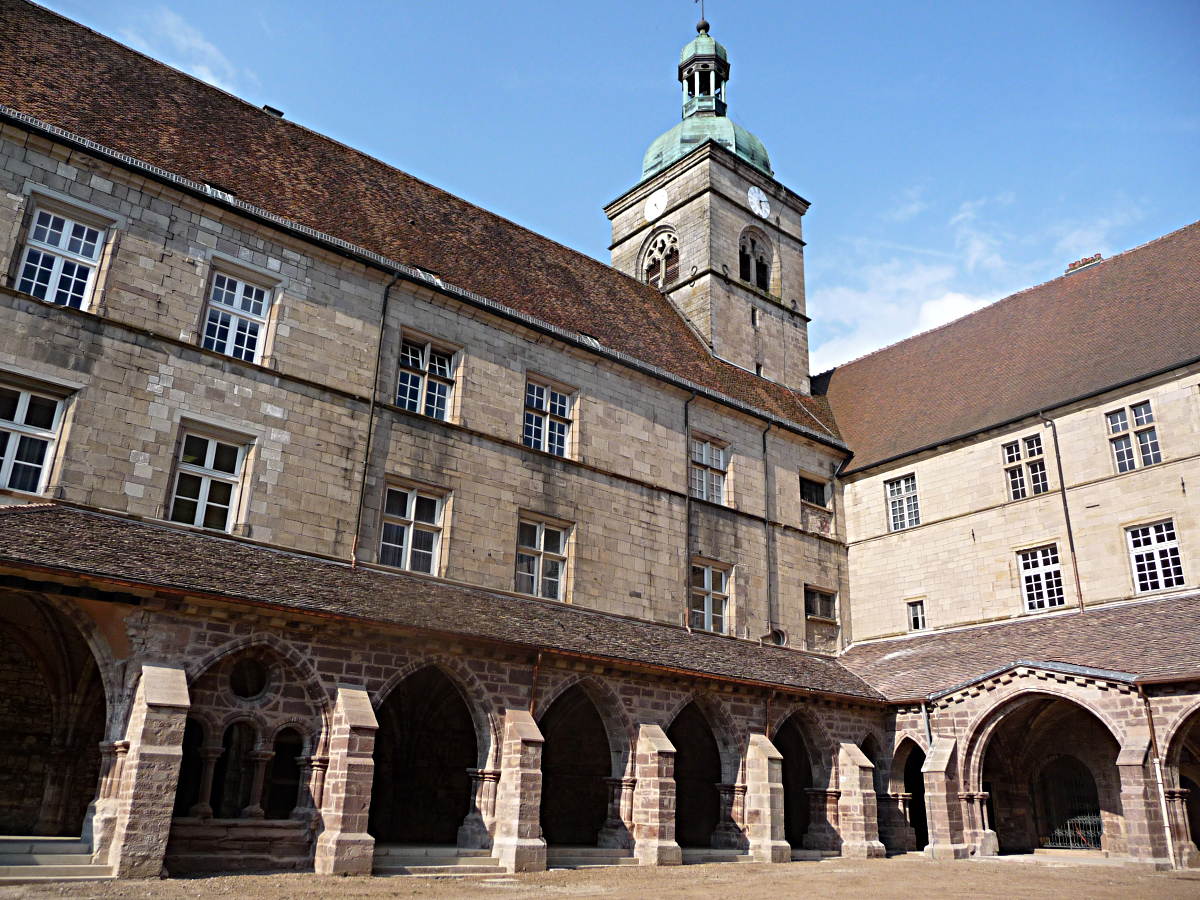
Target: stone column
column 895, row 825
column 146, row 795
column 305, row 808
column 764, row 801
column 977, row 832
column 942, row 806
column 475, row 833
column 615, row 830
column 320, row 767
column 261, row 759
column 518, row 844
column 822, row 831
column 858, row 815
column 344, row 846
column 101, row 817
column 202, row 809
column 1144, row 829
column 1186, row 853
column 654, row 799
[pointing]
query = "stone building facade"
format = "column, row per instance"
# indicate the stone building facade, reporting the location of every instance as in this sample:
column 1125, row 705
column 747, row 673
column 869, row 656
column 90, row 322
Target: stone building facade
column 347, row 527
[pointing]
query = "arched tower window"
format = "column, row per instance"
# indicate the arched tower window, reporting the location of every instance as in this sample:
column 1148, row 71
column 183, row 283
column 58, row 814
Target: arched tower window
column 660, row 265
column 754, row 261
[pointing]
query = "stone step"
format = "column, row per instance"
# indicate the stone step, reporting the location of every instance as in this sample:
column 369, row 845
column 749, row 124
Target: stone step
column 562, row 857
column 32, row 844
column 54, row 871
column 462, row 869
column 697, row 855
column 8, row 880
column 43, row 859
column 572, row 850
column 426, row 851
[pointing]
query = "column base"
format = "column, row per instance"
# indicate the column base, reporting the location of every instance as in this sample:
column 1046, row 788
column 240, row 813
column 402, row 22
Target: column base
column 658, row 853
column 344, row 854
column 771, row 851
column 988, row 844
column 473, row 833
column 948, row 851
column 521, row 854
column 863, row 850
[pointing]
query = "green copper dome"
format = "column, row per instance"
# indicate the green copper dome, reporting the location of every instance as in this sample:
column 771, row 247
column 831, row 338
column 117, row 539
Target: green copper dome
column 692, row 132
column 703, row 73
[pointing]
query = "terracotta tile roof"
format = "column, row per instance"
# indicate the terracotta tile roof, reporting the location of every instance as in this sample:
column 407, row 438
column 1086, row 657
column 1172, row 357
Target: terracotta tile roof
column 1113, row 322
column 107, row 547
column 1151, row 639
column 72, row 77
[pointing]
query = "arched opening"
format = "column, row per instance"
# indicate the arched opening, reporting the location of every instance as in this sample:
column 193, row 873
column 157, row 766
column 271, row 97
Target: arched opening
column 283, row 780
column 1192, row 804
column 1183, row 769
column 660, row 260
column 52, row 719
column 1040, row 797
column 697, row 774
column 797, row 780
column 191, row 769
column 233, row 778
column 754, row 261
column 914, row 786
column 576, row 760
column 425, row 744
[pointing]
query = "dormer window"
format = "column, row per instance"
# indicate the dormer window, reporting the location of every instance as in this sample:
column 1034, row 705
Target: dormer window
column 754, row 264
column 661, row 266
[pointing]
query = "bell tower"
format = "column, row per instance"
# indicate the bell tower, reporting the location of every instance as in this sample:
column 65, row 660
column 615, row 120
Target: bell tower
column 710, row 227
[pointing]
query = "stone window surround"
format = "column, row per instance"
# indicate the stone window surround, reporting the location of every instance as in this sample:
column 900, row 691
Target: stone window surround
column 18, row 432
column 703, row 616
column 1025, row 467
column 915, row 610
column 709, row 459
column 823, row 483
column 539, row 555
column 426, row 377
column 825, row 601
column 270, row 282
column 1133, row 436
column 1040, row 577
column 903, row 504
column 411, row 523
column 1164, row 563
column 537, row 421
column 243, row 438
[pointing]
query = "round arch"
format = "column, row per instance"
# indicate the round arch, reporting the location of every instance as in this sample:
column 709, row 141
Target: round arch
column 758, row 259
column 658, row 259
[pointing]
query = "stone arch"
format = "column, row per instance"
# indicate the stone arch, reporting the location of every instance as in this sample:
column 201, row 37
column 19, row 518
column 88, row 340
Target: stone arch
column 903, row 818
column 659, row 258
column 291, row 655
column 111, row 671
column 906, row 742
column 485, row 715
column 758, row 259
column 1177, row 736
column 622, row 734
column 728, row 737
column 822, row 748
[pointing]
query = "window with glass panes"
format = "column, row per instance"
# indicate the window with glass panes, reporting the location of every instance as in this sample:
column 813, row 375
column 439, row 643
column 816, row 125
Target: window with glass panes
column 706, row 478
column 547, row 418
column 903, row 508
column 1136, row 436
column 60, row 259
column 813, row 492
column 916, row 615
column 236, row 321
column 1154, row 554
column 28, row 429
column 1025, row 469
column 207, row 480
column 412, row 530
column 541, row 559
column 1041, row 577
column 426, row 379
column 820, row 604
column 709, row 606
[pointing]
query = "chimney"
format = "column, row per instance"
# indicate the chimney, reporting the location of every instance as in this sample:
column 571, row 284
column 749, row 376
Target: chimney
column 1083, row 263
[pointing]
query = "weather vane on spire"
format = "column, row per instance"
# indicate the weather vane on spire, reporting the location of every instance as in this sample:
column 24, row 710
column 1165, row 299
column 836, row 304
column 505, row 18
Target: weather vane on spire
column 701, row 2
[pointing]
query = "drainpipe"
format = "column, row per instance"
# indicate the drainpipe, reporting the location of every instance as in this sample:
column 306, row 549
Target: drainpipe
column 1158, row 777
column 769, row 533
column 366, row 467
column 687, row 505
column 925, row 719
column 1062, row 487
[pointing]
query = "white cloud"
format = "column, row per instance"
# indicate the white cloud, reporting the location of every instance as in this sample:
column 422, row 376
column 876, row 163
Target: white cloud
column 908, row 205
column 167, row 36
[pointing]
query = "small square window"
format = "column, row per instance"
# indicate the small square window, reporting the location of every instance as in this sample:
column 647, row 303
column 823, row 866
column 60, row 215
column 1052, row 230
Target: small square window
column 820, row 604
column 813, row 492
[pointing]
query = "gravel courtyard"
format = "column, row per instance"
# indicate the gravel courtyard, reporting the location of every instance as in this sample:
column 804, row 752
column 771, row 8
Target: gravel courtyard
column 876, row 879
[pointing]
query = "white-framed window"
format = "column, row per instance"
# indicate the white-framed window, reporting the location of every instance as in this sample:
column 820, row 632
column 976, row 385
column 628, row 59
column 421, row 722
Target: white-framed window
column 1025, row 467
column 903, row 509
column 1154, row 555
column 706, row 476
column 1136, row 437
column 916, row 615
column 1041, row 577
column 547, row 418
column 708, row 608
column 426, row 380
column 60, row 259
column 29, row 423
column 814, row 492
column 820, row 604
column 207, row 481
column 235, row 320
column 541, row 559
column 412, row 529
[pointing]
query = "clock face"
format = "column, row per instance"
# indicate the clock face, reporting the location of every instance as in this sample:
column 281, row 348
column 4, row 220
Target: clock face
column 758, row 201
column 655, row 204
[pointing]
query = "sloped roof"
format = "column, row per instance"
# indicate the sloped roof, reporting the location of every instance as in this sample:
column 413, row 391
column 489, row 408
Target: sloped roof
column 1150, row 639
column 72, row 77
column 1129, row 316
column 105, row 547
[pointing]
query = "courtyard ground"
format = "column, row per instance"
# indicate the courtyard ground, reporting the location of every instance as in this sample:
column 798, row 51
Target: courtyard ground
column 907, row 878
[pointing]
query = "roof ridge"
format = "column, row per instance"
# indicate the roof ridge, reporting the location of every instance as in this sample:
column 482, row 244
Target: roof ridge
column 1006, row 298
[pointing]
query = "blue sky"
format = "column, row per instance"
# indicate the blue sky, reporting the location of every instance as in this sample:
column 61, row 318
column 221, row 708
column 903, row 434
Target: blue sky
column 954, row 152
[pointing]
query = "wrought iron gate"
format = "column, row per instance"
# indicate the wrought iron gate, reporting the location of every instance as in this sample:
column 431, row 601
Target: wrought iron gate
column 1069, row 806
